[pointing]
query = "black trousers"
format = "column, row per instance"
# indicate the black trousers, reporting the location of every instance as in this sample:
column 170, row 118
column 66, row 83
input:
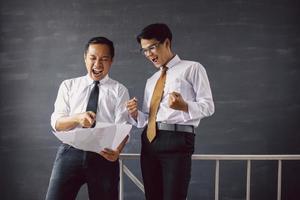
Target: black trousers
column 166, row 165
column 74, row 167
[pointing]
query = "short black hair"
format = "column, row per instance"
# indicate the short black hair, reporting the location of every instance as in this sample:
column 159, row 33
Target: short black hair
column 101, row 40
column 158, row 31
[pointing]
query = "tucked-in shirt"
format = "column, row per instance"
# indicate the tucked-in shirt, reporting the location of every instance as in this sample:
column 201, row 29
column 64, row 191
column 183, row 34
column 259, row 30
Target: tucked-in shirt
column 188, row 78
column 73, row 96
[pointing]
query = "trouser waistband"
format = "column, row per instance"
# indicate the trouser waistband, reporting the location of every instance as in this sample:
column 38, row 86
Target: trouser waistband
column 175, row 127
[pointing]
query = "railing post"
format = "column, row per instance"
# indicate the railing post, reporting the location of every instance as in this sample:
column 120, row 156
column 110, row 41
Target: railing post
column 121, row 185
column 279, row 179
column 248, row 180
column 217, row 172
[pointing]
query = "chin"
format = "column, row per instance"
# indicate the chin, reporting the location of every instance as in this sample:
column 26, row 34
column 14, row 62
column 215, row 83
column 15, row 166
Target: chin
column 156, row 65
column 96, row 78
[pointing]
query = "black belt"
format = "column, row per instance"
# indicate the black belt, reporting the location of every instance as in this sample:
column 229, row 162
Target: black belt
column 175, row 127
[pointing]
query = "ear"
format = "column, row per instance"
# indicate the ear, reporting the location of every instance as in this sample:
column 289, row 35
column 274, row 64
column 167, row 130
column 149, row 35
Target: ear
column 85, row 58
column 168, row 43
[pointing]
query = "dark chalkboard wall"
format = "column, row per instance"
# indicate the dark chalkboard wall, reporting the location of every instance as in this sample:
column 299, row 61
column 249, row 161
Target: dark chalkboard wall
column 250, row 50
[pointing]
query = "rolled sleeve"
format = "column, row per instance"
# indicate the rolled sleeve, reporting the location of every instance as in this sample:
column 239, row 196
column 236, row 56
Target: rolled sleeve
column 61, row 105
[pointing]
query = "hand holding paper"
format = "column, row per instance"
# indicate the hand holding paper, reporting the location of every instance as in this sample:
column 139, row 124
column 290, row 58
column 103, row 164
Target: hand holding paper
column 104, row 135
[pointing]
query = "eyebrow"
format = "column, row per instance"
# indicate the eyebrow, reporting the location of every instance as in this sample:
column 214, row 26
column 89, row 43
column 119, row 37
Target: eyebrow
column 105, row 56
column 148, row 46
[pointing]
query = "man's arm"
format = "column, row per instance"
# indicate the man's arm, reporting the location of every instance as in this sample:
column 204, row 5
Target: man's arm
column 61, row 120
column 132, row 107
column 136, row 117
column 203, row 105
column 177, row 102
column 85, row 120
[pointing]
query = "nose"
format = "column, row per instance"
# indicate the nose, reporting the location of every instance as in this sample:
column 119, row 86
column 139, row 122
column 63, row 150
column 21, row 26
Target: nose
column 98, row 62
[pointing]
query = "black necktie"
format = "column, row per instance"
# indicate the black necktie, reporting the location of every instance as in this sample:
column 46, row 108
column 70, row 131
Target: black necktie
column 93, row 100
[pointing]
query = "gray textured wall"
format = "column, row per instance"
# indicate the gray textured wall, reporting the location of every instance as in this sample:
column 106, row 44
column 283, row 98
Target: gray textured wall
column 250, row 50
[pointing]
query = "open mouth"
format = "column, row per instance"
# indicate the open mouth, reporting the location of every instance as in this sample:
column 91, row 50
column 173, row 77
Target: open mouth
column 97, row 72
column 155, row 60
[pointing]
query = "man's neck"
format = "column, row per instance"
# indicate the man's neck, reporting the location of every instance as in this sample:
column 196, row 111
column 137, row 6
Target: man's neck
column 170, row 57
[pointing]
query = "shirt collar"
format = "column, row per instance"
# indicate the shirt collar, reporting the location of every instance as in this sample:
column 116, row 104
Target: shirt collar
column 101, row 82
column 173, row 61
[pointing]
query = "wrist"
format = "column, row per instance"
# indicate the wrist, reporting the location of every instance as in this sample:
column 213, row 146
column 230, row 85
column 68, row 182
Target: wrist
column 118, row 151
column 77, row 119
column 185, row 107
column 135, row 117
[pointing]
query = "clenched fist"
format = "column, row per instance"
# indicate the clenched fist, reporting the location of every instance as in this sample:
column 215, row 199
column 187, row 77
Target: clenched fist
column 176, row 102
column 86, row 119
column 132, row 107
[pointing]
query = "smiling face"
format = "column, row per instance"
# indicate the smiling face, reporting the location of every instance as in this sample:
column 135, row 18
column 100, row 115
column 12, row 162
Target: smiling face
column 98, row 61
column 158, row 53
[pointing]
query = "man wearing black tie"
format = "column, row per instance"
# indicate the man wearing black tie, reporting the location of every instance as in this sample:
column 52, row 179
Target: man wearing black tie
column 81, row 102
column 176, row 98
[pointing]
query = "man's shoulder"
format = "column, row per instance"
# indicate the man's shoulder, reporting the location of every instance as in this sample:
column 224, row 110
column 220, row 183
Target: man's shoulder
column 73, row 81
column 192, row 66
column 190, row 63
column 116, row 84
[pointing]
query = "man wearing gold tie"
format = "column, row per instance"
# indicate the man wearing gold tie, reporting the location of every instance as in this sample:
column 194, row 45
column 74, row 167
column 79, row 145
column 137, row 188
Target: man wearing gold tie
column 176, row 98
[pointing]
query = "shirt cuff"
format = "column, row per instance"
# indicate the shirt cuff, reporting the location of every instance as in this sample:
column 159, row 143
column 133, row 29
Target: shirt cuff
column 53, row 122
column 141, row 120
column 54, row 118
column 132, row 121
column 193, row 112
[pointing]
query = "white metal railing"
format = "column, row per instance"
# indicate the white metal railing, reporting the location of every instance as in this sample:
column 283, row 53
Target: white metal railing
column 217, row 158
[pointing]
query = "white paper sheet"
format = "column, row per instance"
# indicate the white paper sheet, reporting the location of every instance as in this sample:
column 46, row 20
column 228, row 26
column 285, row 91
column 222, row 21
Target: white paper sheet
column 104, row 135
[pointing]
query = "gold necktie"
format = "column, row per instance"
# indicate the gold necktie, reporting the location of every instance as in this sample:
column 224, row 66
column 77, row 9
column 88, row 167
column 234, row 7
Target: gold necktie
column 154, row 104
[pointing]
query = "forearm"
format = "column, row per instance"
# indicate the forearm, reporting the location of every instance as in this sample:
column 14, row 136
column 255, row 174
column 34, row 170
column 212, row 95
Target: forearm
column 66, row 123
column 121, row 146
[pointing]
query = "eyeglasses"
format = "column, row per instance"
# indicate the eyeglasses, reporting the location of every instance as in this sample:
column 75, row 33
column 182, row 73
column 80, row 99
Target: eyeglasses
column 151, row 49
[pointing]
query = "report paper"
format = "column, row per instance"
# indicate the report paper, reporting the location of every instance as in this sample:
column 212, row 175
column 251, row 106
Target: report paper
column 103, row 135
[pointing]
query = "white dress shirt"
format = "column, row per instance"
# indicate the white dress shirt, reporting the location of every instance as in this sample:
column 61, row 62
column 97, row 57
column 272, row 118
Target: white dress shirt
column 190, row 80
column 73, row 96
